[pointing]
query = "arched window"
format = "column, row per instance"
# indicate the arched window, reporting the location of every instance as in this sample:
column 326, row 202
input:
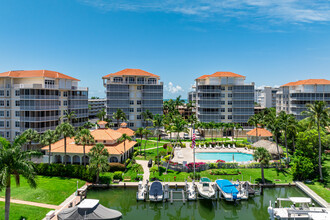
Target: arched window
column 113, row 160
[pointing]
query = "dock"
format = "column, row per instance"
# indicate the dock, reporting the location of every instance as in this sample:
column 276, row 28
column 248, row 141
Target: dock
column 312, row 194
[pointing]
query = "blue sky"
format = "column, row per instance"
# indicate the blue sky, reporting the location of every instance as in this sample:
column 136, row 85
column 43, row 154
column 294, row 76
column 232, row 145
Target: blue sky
column 270, row 42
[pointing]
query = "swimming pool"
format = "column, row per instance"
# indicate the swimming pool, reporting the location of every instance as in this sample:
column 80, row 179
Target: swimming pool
column 226, row 156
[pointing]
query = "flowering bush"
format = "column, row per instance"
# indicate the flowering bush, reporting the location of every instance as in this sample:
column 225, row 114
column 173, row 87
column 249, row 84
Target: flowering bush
column 197, row 165
column 221, row 161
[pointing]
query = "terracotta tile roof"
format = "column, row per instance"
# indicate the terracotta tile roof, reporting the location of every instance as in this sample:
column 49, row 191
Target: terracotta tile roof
column 127, row 131
column 106, row 134
column 308, row 82
column 130, row 72
column 36, row 73
column 221, row 74
column 102, row 123
column 124, row 124
column 261, row 132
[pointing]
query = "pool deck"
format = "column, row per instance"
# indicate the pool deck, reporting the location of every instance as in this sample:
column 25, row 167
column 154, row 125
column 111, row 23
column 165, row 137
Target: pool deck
column 186, row 154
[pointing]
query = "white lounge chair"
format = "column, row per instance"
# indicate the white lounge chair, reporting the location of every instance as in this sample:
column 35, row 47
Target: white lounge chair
column 205, row 146
column 229, row 146
column 210, row 146
column 234, row 146
column 199, row 147
column 223, row 146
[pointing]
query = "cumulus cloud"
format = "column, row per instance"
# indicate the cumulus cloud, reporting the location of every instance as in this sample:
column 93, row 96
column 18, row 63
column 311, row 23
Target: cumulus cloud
column 171, row 88
column 294, row 11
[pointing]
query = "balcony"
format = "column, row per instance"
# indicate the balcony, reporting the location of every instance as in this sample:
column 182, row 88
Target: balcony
column 39, row 119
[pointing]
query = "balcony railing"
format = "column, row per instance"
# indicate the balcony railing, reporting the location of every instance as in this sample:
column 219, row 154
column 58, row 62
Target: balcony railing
column 38, row 119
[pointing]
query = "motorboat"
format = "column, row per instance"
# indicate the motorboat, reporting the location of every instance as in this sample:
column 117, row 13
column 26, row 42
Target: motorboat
column 205, row 188
column 142, row 191
column 191, row 192
column 301, row 208
column 156, row 193
column 230, row 191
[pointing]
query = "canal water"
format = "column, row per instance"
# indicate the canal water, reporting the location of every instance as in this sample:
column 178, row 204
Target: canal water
column 124, row 200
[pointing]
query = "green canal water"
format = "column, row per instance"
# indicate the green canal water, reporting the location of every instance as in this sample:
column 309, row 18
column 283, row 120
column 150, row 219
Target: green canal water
column 124, row 200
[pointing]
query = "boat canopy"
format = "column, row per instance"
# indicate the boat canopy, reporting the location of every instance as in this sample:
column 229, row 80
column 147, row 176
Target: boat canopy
column 205, row 179
column 227, row 186
column 156, row 188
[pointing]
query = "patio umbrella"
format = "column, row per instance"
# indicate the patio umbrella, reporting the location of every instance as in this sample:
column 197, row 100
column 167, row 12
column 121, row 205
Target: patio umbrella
column 233, row 158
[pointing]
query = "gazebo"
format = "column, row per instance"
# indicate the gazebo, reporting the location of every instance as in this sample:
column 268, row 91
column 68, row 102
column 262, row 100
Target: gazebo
column 263, row 134
column 89, row 209
column 270, row 146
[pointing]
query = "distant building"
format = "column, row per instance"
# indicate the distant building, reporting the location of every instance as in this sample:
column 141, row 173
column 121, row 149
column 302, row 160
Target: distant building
column 267, row 97
column 192, row 96
column 95, row 106
column 134, row 91
column 257, row 94
column 37, row 99
column 293, row 97
column 224, row 97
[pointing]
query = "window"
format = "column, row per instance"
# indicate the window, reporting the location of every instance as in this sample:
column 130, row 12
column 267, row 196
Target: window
column 230, row 95
column 230, row 117
column 17, row 114
column 138, row 117
column 8, row 114
column 2, row 113
column 8, row 103
column 2, row 134
column 223, row 88
column 131, row 110
column 16, row 124
column 2, row 124
column 7, row 134
column 65, row 103
column 138, row 102
column 16, row 103
column 139, row 88
column 131, row 102
column 7, row 124
column 222, row 103
column 139, row 110
column 2, row 93
column 230, row 88
column 222, row 110
column 65, row 94
column 222, row 116
column 223, row 95
column 131, row 124
column 17, row 92
column 8, row 93
column 230, row 102
column 230, row 110
column 16, row 133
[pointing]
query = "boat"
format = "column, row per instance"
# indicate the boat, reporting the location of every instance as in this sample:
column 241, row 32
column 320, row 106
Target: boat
column 156, row 193
column 142, row 191
column 302, row 208
column 191, row 192
column 205, row 188
column 231, row 192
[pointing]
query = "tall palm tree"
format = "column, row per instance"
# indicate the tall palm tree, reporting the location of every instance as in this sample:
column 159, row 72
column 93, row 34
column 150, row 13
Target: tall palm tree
column 263, row 156
column 15, row 162
column 147, row 116
column 89, row 125
column 179, row 125
column 84, row 137
column 220, row 126
column 178, row 102
column 49, row 138
column 66, row 130
column 119, row 115
column 255, row 121
column 190, row 105
column 158, row 123
column 123, row 139
column 238, row 127
column 101, row 114
column 286, row 121
column 273, row 123
column 98, row 159
column 192, row 120
column 70, row 116
column 139, row 132
column 318, row 114
column 31, row 135
column 146, row 133
column 211, row 126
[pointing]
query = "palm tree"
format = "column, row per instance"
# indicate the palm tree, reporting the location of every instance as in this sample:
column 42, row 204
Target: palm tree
column 286, row 121
column 119, row 115
column 190, row 106
column 318, row 114
column 147, row 116
column 89, row 125
column 274, row 125
column 179, row 125
column 158, row 123
column 139, row 132
column 69, row 116
column 211, row 126
column 220, row 126
column 123, row 139
column 255, row 121
column 238, row 127
column 98, row 159
column 15, row 162
column 49, row 138
column 84, row 137
column 263, row 156
column 31, row 135
column 146, row 132
column 178, row 102
column 101, row 114
column 192, row 120
column 66, row 130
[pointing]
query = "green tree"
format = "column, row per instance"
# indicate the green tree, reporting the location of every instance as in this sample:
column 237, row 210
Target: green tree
column 17, row 163
column 158, row 123
column 178, row 102
column 123, row 139
column 31, row 135
column 211, row 126
column 101, row 114
column 84, row 137
column 89, row 125
column 262, row 156
column 119, row 115
column 98, row 160
column 302, row 168
column 69, row 116
column 179, row 125
column 255, row 121
column 318, row 115
column 273, row 123
column 147, row 116
column 146, row 133
column 66, row 130
column 238, row 127
column 49, row 138
column 139, row 132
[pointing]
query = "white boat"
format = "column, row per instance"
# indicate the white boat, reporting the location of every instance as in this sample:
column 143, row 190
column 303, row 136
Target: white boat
column 301, row 209
column 156, row 193
column 191, row 192
column 231, row 192
column 205, row 188
column 142, row 191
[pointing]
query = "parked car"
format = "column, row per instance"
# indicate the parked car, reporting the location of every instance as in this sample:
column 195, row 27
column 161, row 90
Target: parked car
column 150, row 163
column 186, row 136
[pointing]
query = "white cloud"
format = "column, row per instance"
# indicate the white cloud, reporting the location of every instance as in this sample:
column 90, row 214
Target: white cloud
column 293, row 11
column 172, row 88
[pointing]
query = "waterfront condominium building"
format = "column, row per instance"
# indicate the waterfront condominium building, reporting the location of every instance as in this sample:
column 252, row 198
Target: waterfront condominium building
column 37, row 99
column 95, row 106
column 293, row 97
column 134, row 91
column 224, row 97
column 267, row 97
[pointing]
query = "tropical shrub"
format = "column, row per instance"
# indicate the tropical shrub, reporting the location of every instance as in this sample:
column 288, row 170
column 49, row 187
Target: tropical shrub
column 302, row 168
column 118, row 175
column 116, row 167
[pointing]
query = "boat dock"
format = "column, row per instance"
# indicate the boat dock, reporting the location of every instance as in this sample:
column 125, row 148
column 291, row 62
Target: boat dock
column 312, row 194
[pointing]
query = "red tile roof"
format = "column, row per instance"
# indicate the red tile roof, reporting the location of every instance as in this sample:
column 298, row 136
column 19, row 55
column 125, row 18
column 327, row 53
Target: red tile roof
column 102, row 123
column 261, row 132
column 308, row 82
column 36, row 73
column 130, row 72
column 221, row 74
column 127, row 131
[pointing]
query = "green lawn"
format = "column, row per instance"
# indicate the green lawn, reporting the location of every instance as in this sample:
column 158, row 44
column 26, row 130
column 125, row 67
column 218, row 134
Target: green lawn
column 50, row 190
column 319, row 189
column 18, row 212
column 130, row 173
column 271, row 175
column 150, row 154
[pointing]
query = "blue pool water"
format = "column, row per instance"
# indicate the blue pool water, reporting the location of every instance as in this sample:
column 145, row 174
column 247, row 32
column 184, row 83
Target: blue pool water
column 226, row 156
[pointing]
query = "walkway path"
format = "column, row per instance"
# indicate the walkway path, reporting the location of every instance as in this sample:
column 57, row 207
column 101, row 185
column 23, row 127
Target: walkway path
column 42, row 205
column 146, row 173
